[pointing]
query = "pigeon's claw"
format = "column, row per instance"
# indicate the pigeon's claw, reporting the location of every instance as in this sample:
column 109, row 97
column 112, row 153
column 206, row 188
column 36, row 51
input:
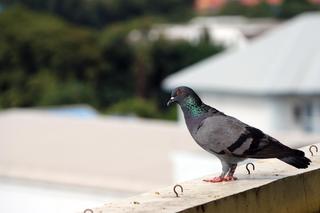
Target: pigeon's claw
column 230, row 178
column 214, row 180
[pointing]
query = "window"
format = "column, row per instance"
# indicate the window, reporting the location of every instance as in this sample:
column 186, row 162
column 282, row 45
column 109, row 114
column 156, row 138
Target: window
column 303, row 115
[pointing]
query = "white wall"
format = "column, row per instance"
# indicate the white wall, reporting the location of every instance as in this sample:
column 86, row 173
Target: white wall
column 283, row 116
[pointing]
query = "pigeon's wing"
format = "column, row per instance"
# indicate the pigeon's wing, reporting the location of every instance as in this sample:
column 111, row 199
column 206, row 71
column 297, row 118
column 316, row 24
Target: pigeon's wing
column 227, row 135
column 218, row 133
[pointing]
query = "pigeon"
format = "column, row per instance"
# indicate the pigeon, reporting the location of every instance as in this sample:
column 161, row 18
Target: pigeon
column 228, row 138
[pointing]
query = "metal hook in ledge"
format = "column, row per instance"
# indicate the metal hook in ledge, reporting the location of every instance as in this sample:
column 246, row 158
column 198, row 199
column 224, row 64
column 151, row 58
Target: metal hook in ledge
column 175, row 189
column 88, row 211
column 247, row 167
column 310, row 149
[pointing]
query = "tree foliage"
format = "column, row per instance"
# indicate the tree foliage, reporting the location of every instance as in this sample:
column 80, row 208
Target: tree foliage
column 36, row 43
column 287, row 9
column 46, row 61
column 99, row 51
column 98, row 13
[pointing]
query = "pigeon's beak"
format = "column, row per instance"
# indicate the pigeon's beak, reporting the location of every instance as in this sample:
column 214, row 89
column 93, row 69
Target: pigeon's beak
column 171, row 100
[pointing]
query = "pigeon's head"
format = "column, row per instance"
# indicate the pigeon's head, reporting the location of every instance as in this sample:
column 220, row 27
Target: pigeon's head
column 180, row 94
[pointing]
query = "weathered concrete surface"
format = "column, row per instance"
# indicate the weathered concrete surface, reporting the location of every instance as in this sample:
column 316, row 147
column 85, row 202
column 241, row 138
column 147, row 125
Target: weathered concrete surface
column 39, row 146
column 273, row 187
column 288, row 195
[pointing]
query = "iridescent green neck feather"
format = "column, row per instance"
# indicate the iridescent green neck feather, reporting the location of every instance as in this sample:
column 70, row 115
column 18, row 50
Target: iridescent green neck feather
column 193, row 107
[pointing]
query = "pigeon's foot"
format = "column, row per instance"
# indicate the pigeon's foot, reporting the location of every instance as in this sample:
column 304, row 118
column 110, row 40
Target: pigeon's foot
column 214, row 180
column 230, row 178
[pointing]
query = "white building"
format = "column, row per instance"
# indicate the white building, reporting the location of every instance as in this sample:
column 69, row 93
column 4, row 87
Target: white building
column 273, row 83
column 228, row 31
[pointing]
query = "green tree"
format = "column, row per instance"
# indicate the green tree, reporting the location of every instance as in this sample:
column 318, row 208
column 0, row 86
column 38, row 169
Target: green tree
column 287, row 9
column 98, row 13
column 46, row 61
column 290, row 8
column 32, row 42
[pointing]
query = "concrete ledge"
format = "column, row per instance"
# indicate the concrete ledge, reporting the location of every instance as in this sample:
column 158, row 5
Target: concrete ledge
column 291, row 194
column 273, row 187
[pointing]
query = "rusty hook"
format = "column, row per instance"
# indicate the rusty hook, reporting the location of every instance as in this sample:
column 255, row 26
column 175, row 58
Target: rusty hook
column 253, row 167
column 88, row 211
column 310, row 149
column 174, row 189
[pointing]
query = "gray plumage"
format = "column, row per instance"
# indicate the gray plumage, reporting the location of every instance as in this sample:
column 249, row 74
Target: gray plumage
column 228, row 138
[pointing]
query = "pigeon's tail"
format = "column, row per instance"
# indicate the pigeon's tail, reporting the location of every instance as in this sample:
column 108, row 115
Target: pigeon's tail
column 297, row 159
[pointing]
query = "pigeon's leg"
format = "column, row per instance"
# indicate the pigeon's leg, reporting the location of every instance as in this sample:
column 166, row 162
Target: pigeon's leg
column 225, row 169
column 230, row 176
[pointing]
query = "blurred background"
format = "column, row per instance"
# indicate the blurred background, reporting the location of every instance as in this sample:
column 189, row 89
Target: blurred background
column 84, row 86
